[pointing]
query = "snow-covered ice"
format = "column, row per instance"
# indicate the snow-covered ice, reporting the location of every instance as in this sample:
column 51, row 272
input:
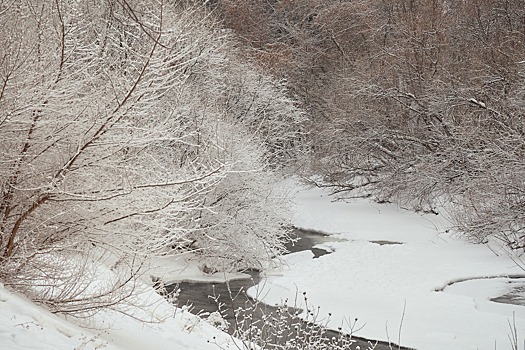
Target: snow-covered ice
column 391, row 288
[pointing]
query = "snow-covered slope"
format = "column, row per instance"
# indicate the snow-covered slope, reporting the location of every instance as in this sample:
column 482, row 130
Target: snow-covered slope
column 25, row 326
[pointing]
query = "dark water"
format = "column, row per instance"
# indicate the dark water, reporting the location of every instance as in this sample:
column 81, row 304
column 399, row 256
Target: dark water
column 515, row 297
column 516, row 294
column 306, row 240
column 383, row 242
column 230, row 298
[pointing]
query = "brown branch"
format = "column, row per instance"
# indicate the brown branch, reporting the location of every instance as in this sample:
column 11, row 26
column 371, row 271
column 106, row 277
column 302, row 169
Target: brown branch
column 12, row 236
column 109, row 122
column 134, row 16
column 4, row 85
column 145, row 212
column 8, row 195
column 62, row 40
column 123, row 191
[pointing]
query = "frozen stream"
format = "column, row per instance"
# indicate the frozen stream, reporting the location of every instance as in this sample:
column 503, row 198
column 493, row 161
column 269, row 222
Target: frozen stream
column 205, row 297
column 495, row 289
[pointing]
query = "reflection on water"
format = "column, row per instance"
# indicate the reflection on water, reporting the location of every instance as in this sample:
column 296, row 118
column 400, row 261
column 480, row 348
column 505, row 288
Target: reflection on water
column 516, row 294
column 307, row 240
column 205, row 298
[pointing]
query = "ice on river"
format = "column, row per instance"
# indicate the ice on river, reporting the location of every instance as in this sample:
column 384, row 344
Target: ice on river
column 389, row 288
column 392, row 288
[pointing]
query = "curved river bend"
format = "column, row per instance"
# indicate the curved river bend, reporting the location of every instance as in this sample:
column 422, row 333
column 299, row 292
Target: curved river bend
column 205, row 298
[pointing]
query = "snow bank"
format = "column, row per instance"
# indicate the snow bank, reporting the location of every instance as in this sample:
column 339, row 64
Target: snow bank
column 390, row 288
column 25, row 326
column 182, row 268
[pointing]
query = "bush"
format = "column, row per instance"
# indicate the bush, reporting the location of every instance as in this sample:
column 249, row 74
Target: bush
column 115, row 147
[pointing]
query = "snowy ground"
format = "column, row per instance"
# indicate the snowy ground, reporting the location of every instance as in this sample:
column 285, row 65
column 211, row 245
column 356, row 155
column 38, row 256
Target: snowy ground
column 151, row 323
column 391, row 288
column 25, row 326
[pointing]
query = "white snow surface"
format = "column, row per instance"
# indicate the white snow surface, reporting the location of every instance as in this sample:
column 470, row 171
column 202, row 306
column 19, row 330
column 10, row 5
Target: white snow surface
column 25, row 326
column 148, row 321
column 183, row 268
column 360, row 279
column 391, row 288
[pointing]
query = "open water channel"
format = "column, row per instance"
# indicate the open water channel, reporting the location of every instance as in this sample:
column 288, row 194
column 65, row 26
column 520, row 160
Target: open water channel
column 206, row 298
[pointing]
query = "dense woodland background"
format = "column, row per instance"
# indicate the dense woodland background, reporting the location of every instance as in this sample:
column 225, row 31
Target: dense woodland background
column 136, row 128
column 419, row 101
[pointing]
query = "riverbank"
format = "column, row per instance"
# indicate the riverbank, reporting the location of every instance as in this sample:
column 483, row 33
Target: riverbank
column 391, row 288
column 220, row 303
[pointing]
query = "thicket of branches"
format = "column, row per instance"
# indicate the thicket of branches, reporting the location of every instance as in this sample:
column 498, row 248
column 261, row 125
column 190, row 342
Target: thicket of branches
column 132, row 128
column 419, row 102
column 129, row 129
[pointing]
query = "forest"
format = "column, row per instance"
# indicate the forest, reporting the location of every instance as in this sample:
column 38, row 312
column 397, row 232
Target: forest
column 139, row 128
column 418, row 102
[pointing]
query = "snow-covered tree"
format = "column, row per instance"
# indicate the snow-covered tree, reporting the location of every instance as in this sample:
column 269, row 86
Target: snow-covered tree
column 431, row 111
column 107, row 151
column 245, row 217
column 419, row 102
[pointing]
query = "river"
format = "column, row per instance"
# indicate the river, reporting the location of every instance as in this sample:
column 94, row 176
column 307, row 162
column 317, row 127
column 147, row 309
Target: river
column 246, row 317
